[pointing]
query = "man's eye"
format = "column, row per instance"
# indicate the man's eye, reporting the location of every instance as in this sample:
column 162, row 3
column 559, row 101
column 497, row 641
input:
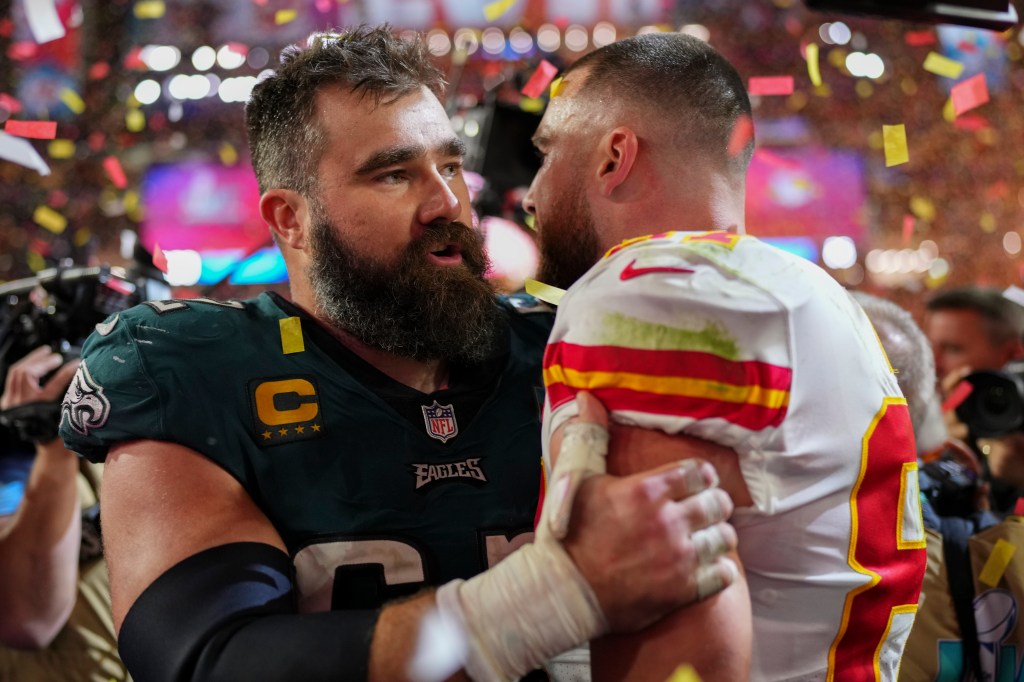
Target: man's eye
column 451, row 169
column 392, row 177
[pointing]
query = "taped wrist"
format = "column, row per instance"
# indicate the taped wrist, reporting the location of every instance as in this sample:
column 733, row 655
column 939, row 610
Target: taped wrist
column 229, row 613
column 533, row 605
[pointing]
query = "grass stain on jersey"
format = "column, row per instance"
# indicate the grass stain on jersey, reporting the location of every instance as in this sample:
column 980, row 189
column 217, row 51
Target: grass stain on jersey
column 622, row 330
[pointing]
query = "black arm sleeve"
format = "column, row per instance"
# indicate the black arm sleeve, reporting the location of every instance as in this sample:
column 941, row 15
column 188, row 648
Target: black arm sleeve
column 228, row 613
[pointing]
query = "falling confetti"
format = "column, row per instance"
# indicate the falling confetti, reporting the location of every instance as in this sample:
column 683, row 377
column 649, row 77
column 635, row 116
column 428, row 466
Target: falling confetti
column 494, row 10
column 37, row 130
column 895, row 142
column 942, row 66
column 770, row 85
column 540, row 79
column 970, row 93
column 813, row 68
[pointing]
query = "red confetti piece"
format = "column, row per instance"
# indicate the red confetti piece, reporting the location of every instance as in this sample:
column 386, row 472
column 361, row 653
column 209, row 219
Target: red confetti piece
column 96, row 140
column 1018, row 507
column 37, row 130
column 159, row 259
column 133, row 60
column 908, row 228
column 99, row 71
column 742, row 134
column 969, row 94
column 43, row 248
column 919, row 38
column 967, row 46
column 324, row 5
column 959, row 394
column 770, row 85
column 971, row 122
column 6, row 27
column 997, row 190
column 114, row 171
column 9, row 103
column 540, row 80
column 773, row 159
column 22, row 50
column 239, row 48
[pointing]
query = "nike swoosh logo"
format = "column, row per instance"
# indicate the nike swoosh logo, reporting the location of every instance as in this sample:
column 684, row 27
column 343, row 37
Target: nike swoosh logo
column 629, row 272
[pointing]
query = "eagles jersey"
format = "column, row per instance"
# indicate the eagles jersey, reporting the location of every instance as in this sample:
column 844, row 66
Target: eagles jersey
column 376, row 489
column 723, row 337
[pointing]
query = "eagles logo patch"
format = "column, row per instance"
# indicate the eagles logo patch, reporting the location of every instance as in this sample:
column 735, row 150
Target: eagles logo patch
column 85, row 406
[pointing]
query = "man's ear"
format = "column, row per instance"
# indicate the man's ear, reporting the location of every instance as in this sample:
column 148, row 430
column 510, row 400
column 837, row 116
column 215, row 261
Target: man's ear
column 285, row 211
column 616, row 159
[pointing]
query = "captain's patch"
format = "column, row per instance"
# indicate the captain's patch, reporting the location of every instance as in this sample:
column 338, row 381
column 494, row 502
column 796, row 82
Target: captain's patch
column 85, row 407
column 285, row 410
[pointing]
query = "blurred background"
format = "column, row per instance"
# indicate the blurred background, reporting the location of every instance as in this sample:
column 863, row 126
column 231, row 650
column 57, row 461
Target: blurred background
column 149, row 142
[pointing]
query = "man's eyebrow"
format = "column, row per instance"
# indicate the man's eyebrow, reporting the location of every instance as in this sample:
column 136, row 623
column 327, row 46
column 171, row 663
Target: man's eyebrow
column 396, row 155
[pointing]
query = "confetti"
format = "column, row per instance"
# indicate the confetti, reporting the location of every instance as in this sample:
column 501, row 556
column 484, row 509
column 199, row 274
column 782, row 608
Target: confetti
column 37, row 130
column 43, row 20
column 997, row 562
column 114, row 171
column 9, row 103
column 684, row 673
column 556, row 87
column 923, row 208
column 493, row 10
column 228, row 154
column 20, row 151
column 50, row 219
column 149, row 9
column 813, row 68
column 159, row 259
column 949, row 111
column 544, row 292
column 72, row 100
column 970, row 93
column 291, row 335
column 531, row 105
column 135, row 120
column 957, row 396
column 770, row 85
column 942, row 66
column 99, row 71
column 82, row 236
column 61, row 149
column 1018, row 507
column 908, row 228
column 895, row 142
column 919, row 38
column 742, row 134
column 284, row 16
column 539, row 80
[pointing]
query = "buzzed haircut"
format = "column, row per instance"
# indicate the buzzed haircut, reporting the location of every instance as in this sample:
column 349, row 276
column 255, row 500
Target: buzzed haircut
column 681, row 78
column 1003, row 318
column 285, row 141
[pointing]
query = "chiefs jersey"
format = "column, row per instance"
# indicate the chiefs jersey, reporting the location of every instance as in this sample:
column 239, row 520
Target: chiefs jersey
column 376, row 489
column 726, row 338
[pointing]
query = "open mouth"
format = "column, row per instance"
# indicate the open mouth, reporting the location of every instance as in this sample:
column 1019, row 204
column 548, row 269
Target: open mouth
column 449, row 254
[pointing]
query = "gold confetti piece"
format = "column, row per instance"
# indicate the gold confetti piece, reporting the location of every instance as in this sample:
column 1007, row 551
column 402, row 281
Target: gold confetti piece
column 82, row 236
column 493, row 10
column 997, row 563
column 531, row 105
column 36, row 262
column 291, row 335
column 813, row 68
column 131, row 201
column 135, row 120
column 942, row 66
column 544, row 292
column 61, row 149
column 531, row 221
column 987, row 223
column 895, row 143
column 556, row 87
column 284, row 16
column 923, row 208
column 149, row 9
column 71, row 98
column 949, row 111
column 50, row 219
column 864, row 89
column 228, row 154
column 684, row 673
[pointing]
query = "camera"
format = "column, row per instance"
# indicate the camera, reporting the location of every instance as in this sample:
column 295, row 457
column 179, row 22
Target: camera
column 995, row 406
column 950, row 487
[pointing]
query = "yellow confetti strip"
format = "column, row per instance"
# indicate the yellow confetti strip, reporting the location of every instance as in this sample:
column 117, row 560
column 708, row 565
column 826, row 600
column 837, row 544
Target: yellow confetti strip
column 997, row 562
column 544, row 292
column 895, row 142
column 71, row 98
column 61, row 149
column 291, row 335
column 50, row 219
column 284, row 16
column 82, row 236
column 942, row 66
column 135, row 120
column 149, row 9
column 36, row 262
column 922, row 208
column 684, row 673
column 493, row 10
column 864, row 89
column 228, row 154
column 988, row 223
column 813, row 68
column 531, row 105
column 949, row 111
column 531, row 221
column 556, row 87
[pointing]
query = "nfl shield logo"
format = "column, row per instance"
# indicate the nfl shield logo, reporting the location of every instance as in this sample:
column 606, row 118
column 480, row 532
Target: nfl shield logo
column 440, row 421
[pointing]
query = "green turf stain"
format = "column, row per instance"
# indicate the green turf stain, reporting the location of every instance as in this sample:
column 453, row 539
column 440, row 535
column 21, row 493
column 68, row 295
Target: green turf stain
column 623, row 330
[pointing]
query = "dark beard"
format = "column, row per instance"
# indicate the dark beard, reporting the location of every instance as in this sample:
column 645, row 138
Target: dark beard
column 567, row 242
column 410, row 308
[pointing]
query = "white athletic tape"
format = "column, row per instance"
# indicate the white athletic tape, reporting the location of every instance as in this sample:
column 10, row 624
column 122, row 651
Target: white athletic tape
column 584, row 447
column 710, row 580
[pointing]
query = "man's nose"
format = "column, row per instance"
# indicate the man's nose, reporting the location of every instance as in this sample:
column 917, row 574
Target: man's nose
column 440, row 202
column 528, row 205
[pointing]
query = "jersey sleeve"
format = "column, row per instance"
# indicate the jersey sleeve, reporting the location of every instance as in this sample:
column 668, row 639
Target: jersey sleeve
column 669, row 334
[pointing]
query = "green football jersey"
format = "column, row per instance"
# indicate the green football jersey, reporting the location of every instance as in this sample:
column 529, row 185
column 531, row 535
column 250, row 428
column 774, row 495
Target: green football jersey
column 377, row 489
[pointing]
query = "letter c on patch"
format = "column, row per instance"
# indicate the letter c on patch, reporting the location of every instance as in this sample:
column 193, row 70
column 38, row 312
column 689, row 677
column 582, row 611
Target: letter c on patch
column 267, row 410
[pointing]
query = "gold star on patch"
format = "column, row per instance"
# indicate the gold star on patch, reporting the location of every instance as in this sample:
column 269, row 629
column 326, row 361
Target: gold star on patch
column 283, row 432
column 300, row 429
column 316, row 427
column 267, row 435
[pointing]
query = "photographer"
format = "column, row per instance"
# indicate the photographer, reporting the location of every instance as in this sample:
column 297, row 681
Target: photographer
column 973, row 329
column 55, row 619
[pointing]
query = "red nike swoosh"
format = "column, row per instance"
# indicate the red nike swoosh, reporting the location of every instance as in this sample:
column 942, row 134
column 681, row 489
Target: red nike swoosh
column 629, row 272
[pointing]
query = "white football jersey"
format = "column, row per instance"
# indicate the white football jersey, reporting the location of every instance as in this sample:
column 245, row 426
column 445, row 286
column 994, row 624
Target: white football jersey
column 724, row 337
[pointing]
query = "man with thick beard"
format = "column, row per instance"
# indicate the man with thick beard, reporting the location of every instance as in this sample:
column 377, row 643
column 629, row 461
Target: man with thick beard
column 279, row 472
column 700, row 332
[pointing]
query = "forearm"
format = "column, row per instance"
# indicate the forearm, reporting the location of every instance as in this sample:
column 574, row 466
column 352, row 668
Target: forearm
column 39, row 552
column 396, row 636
